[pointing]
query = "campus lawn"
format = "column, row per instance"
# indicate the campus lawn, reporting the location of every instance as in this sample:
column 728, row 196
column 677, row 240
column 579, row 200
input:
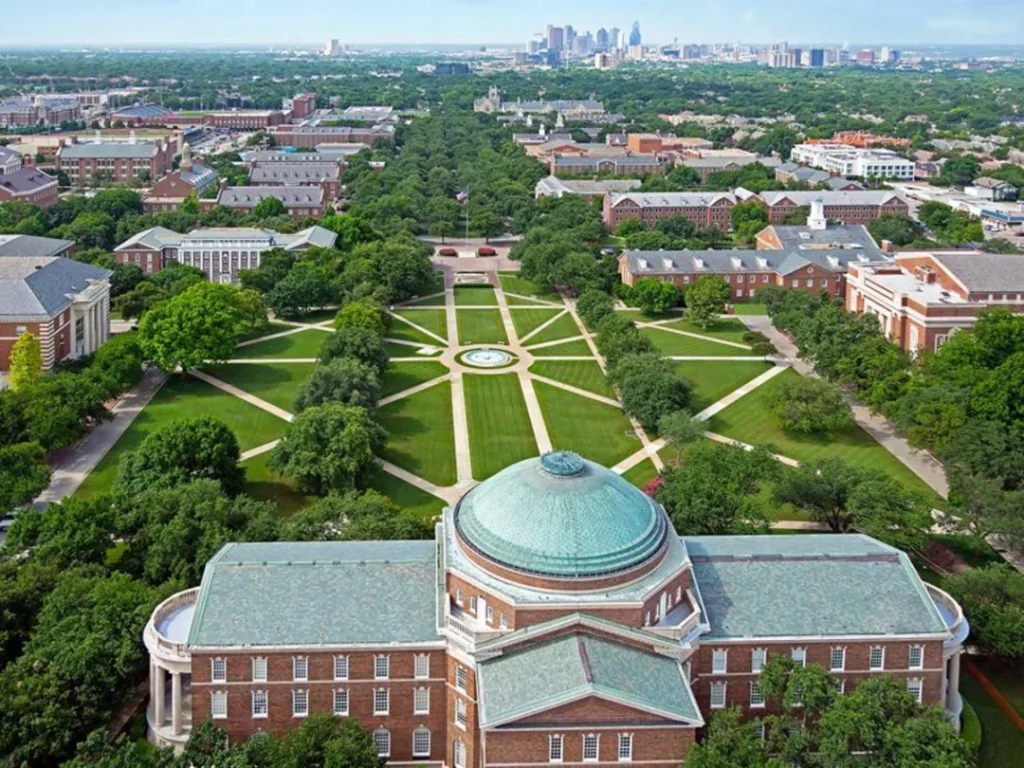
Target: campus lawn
column 749, row 420
column 401, row 376
column 512, row 283
column 421, row 434
column 500, row 433
column 433, row 320
column 675, row 344
column 594, row 430
column 277, row 383
column 263, row 483
column 408, row 497
column 639, row 316
column 1006, row 676
column 563, row 328
column 576, row 348
column 724, row 328
column 584, row 374
column 475, row 296
column 304, row 344
column 406, row 332
column 267, row 330
column 179, row 398
column 641, row 474
column 526, row 320
column 427, row 301
column 712, row 380
column 403, row 350
column 1002, row 743
column 481, row 326
column 749, row 308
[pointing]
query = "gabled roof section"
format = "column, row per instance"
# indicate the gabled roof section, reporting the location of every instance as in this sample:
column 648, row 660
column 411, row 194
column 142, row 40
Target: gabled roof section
column 586, row 620
column 154, row 239
column 577, row 666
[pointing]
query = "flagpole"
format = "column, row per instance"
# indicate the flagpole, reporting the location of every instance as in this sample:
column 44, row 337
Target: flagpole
column 467, row 215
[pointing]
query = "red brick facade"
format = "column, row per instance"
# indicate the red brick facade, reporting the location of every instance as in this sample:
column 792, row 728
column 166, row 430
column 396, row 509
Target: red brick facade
column 716, row 214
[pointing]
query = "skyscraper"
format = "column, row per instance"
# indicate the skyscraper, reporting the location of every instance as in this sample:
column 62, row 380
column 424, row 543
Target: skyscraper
column 569, row 42
column 555, row 38
column 634, row 35
column 602, row 39
column 613, row 38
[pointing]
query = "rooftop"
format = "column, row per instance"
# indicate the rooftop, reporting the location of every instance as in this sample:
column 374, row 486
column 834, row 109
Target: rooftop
column 852, row 197
column 108, row 149
column 30, row 245
column 587, row 187
column 159, row 237
column 40, row 285
column 834, row 238
column 674, row 199
column 285, row 172
column 985, row 272
column 290, row 196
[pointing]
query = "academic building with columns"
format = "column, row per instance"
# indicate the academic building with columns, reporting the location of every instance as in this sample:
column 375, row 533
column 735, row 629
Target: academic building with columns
column 556, row 617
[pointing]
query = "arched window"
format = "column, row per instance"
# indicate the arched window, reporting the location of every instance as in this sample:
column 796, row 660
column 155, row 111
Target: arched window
column 459, row 754
column 382, row 738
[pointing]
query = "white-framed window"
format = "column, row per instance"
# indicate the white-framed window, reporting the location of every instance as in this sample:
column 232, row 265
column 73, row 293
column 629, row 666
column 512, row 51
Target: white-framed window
column 421, row 666
column 472, row 603
column 460, row 714
column 300, row 703
column 421, row 701
column 341, row 702
column 756, row 697
column 260, row 704
column 381, row 701
column 758, row 656
column 421, row 742
column 460, row 677
column 590, row 751
column 300, row 668
column 218, row 705
column 719, row 661
column 382, row 738
column 915, row 657
column 503, row 621
column 555, row 744
column 876, row 658
column 490, row 614
column 840, row 687
column 798, row 695
column 717, row 695
column 458, row 597
column 796, row 727
column 799, row 656
column 381, row 666
column 219, row 670
column 763, row 731
column 341, row 667
column 459, row 753
column 259, row 670
column 915, row 687
column 625, row 750
column 837, row 659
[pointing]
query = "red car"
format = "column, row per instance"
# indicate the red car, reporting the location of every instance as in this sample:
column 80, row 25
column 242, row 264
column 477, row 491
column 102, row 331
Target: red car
column 447, row 252
column 486, row 250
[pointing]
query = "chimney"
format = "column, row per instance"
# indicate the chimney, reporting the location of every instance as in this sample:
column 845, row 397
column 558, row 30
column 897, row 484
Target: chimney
column 816, row 220
column 887, row 246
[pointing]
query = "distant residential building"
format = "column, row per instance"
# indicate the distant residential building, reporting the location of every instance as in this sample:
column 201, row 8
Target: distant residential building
column 703, row 209
column 300, row 202
column 10, row 161
column 302, row 106
column 327, row 176
column 852, row 207
column 248, row 119
column 846, row 160
column 538, row 139
column 86, row 163
column 788, row 172
column 24, row 112
column 219, row 252
column 310, row 136
column 552, row 186
column 28, row 186
column 987, row 188
column 619, row 166
column 708, row 164
column 331, row 153
column 171, row 191
column 652, row 143
column 451, row 68
column 369, row 114
column 493, row 103
column 36, row 247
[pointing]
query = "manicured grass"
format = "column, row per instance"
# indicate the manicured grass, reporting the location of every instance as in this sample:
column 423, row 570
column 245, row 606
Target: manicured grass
column 711, row 381
column 585, row 374
column 1002, row 743
column 563, row 328
column 669, row 344
column 179, row 398
column 402, row 350
column 577, row 348
column 749, row 308
column 481, row 326
column 304, row 344
column 276, row 383
column 263, row 483
column 405, row 332
column 594, row 430
column 475, row 295
column 525, row 320
column 1006, row 676
column 421, row 436
column 749, row 420
column 500, row 433
column 639, row 316
column 408, row 497
column 725, row 328
column 511, row 282
column 641, row 474
column 401, row 376
column 432, row 320
column 267, row 330
column 427, row 301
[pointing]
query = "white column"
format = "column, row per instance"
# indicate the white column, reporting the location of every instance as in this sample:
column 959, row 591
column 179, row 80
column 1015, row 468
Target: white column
column 176, row 703
column 157, row 695
column 74, row 332
column 953, row 683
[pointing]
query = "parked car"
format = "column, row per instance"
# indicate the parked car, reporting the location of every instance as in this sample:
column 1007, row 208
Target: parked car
column 7, row 521
column 447, row 252
column 486, row 250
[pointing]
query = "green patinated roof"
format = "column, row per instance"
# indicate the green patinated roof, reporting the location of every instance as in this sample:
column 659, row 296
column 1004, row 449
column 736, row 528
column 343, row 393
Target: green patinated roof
column 821, row 584
column 317, row 593
column 574, row 666
column 561, row 515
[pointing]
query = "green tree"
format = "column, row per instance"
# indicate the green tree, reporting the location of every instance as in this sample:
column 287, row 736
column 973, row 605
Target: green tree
column 730, row 742
column 359, row 344
column 353, row 516
column 810, row 405
column 883, row 508
column 138, row 301
column 593, row 306
column 822, row 488
column 343, row 380
column 71, row 533
column 627, row 227
column 268, row 208
column 362, row 314
column 92, row 230
column 23, row 473
column 680, row 429
column 748, row 219
column 26, row 361
column 993, row 601
column 649, row 387
column 897, row 228
column 305, row 287
column 200, row 325
column 191, row 205
column 252, row 309
column 655, row 297
column 705, row 299
column 125, row 277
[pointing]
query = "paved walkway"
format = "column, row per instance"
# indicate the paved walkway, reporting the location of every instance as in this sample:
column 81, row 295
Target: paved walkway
column 413, row 390
column 241, row 394
column 258, row 450
column 83, row 457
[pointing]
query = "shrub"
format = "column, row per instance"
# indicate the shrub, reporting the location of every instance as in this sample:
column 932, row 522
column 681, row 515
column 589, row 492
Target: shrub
column 810, row 405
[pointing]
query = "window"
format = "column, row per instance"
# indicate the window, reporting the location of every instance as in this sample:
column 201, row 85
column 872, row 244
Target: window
column 757, row 659
column 876, row 660
column 555, row 748
column 341, row 702
column 837, row 660
column 460, row 714
column 472, row 603
column 422, row 666
column 458, row 597
column 799, row 655
column 20, row 329
column 381, row 701
column 421, row 743
column 915, row 658
column 382, row 738
column 719, row 662
column 300, row 703
column 341, row 667
column 590, row 746
column 381, row 666
column 915, row 687
column 459, row 753
column 717, row 695
column 218, row 705
column 840, row 687
column 219, row 670
column 503, row 621
column 460, row 678
column 756, row 697
column 421, row 701
column 300, row 668
column 798, row 695
column 763, row 731
column 625, row 746
column 259, row 704
column 259, row 670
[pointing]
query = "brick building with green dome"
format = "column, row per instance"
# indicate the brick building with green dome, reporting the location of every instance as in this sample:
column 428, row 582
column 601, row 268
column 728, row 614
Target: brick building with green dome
column 557, row 617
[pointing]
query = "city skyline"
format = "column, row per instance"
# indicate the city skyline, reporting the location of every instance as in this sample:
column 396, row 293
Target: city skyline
column 460, row 22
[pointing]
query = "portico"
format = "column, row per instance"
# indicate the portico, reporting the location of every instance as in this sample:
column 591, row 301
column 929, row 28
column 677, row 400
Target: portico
column 90, row 317
column 170, row 670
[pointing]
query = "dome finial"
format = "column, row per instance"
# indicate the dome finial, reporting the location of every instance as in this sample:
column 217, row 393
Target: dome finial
column 562, row 463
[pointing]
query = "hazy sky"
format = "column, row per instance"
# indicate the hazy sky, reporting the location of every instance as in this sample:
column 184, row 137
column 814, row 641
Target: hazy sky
column 68, row 22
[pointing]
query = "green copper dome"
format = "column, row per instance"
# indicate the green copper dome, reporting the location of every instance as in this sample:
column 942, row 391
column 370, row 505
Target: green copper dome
column 560, row 515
